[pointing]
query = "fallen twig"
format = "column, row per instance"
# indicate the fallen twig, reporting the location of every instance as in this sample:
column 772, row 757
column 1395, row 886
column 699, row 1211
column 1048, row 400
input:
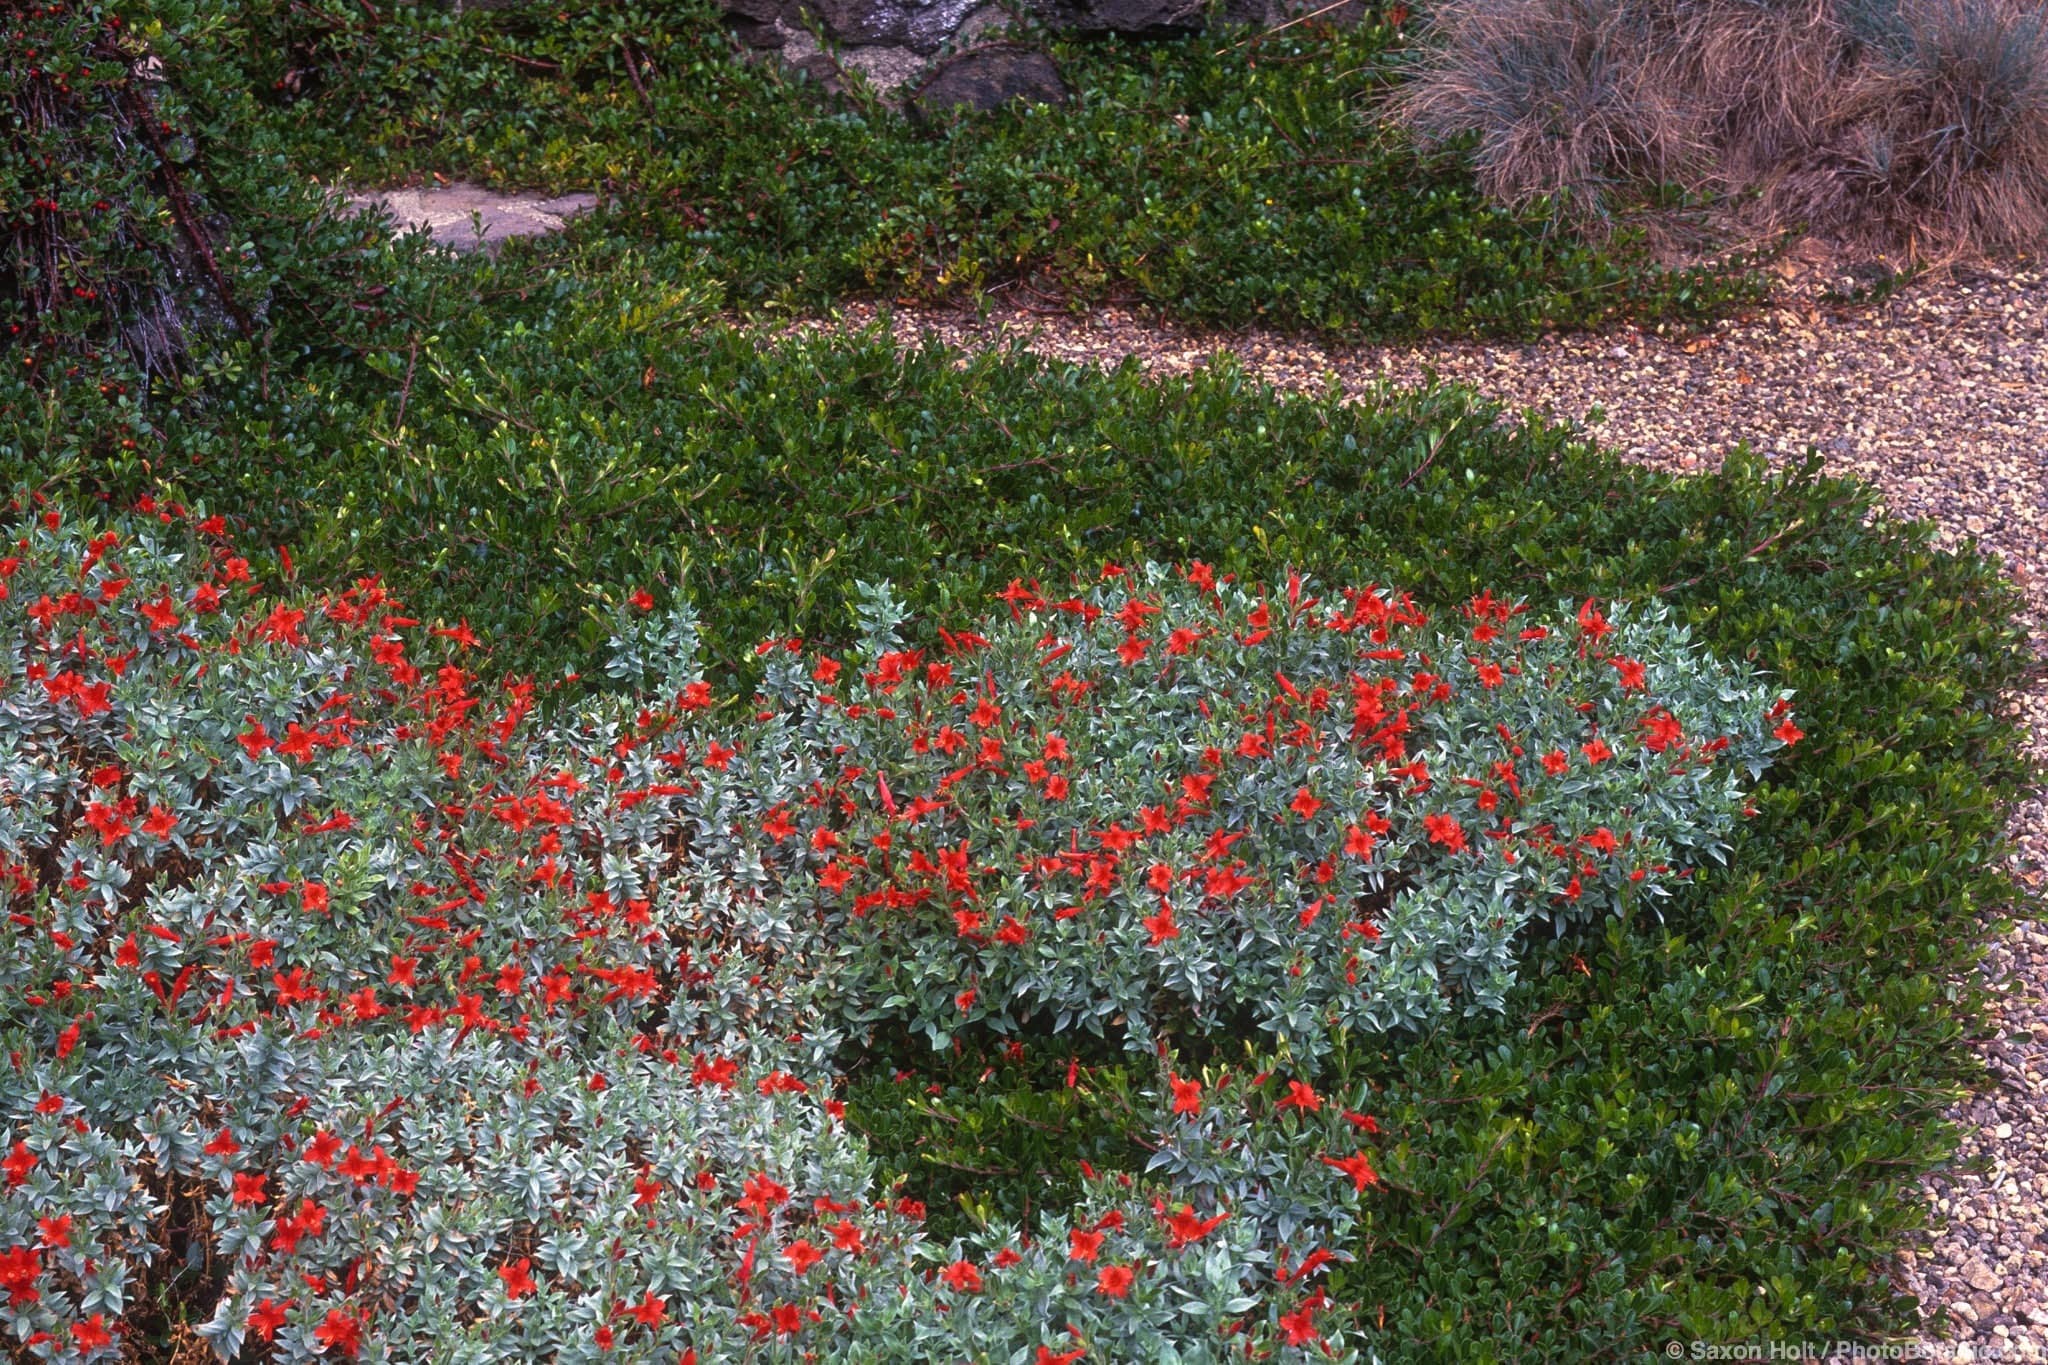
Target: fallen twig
column 1269, row 32
column 633, row 73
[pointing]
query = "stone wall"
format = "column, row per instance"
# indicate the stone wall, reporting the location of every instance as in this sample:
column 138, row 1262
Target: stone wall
column 937, row 53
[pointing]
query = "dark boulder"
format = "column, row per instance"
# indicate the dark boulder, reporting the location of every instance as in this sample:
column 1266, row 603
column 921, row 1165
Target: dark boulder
column 989, row 77
column 1124, row 16
column 855, row 22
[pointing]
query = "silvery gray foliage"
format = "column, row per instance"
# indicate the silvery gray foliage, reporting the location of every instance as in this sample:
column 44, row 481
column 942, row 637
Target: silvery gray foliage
column 1172, row 803
column 437, row 1031
column 406, row 997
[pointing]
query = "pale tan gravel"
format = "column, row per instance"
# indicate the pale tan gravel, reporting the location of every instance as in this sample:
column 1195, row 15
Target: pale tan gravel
column 1939, row 395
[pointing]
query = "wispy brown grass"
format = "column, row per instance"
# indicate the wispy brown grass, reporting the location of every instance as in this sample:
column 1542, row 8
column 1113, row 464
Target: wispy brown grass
column 1910, row 127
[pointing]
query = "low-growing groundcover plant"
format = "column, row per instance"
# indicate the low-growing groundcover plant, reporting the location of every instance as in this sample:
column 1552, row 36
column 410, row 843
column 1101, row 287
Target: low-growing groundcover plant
column 1216, row 177
column 162, row 277
column 416, row 1018
column 1741, row 1094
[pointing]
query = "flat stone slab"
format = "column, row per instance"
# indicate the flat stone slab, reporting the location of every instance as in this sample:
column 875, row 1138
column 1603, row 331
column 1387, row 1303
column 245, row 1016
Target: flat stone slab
column 465, row 217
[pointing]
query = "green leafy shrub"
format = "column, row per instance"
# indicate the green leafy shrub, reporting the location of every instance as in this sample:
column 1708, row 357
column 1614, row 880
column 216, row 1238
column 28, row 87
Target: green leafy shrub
column 999, row 1129
column 1743, row 1093
column 1223, row 182
column 1665, row 1118
column 528, row 437
column 100, row 214
column 163, row 279
column 1687, row 1097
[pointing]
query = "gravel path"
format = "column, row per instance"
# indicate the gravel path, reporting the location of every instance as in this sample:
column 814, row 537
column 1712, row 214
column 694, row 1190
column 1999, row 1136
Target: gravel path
column 1938, row 394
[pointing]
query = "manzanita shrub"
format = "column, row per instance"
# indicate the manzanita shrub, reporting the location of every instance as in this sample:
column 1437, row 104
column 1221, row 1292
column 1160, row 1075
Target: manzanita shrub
column 358, row 1007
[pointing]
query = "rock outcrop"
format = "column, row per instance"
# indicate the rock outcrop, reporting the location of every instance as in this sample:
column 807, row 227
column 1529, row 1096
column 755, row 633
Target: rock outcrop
column 941, row 54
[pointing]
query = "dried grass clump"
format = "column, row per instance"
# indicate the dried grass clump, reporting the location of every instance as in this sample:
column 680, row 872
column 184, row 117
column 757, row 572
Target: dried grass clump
column 1757, row 79
column 1568, row 97
column 1915, row 126
column 1940, row 136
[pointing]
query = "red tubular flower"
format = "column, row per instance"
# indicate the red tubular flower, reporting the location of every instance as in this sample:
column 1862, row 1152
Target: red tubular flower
column 1358, row 1166
column 518, row 1277
column 779, row 1082
column 1114, row 1280
column 1299, row 1327
column 340, row 1332
column 761, row 1196
column 20, row 1268
column 1300, row 1095
column 719, row 1071
column 1660, row 730
column 1445, row 830
column 1184, row 1229
column 266, row 1317
column 92, row 1334
column 1591, row 622
column 18, row 1164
